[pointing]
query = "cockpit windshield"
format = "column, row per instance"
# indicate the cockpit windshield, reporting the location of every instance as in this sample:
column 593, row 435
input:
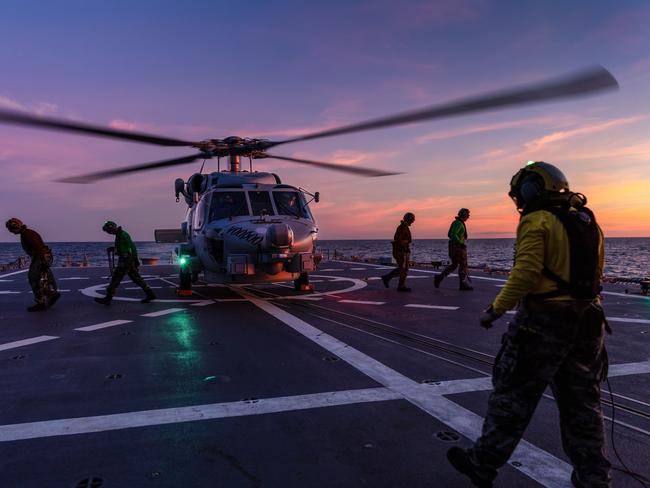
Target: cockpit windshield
column 260, row 202
column 227, row 204
column 290, row 203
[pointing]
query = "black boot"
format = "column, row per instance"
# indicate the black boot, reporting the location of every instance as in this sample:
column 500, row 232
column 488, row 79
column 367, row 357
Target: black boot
column 105, row 300
column 37, row 307
column 436, row 280
column 53, row 299
column 459, row 459
column 385, row 280
column 149, row 297
column 465, row 285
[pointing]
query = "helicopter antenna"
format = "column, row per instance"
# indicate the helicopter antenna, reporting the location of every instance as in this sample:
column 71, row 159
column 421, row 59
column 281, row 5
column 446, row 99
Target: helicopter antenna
column 202, row 165
column 218, row 164
column 250, row 163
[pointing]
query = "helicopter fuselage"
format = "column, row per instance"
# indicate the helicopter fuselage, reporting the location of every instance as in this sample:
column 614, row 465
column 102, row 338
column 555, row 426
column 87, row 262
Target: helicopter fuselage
column 246, row 228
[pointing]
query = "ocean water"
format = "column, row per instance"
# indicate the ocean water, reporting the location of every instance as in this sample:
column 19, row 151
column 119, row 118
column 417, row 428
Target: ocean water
column 624, row 257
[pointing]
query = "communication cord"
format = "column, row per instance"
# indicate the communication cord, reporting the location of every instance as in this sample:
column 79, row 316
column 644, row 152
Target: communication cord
column 640, row 478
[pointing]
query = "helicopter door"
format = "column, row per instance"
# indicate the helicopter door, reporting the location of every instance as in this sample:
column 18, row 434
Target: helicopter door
column 201, row 212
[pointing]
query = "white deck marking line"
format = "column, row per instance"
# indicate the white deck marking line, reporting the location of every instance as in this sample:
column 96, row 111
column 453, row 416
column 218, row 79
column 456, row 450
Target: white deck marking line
column 103, row 325
column 358, row 269
column 14, row 273
column 628, row 320
column 331, row 269
column 309, row 299
column 138, row 288
column 74, row 278
column 162, row 312
column 6, row 281
column 362, row 302
column 629, row 368
column 102, row 423
column 625, row 295
column 26, row 342
column 204, row 303
column 408, row 278
column 485, row 383
column 441, row 307
column 535, row 462
column 428, row 271
column 4, row 292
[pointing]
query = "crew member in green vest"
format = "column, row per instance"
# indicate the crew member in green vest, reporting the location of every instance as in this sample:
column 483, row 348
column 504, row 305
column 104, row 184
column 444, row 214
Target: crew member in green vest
column 457, row 251
column 127, row 263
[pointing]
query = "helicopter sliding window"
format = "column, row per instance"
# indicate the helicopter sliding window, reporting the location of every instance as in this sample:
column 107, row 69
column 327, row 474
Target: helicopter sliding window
column 260, row 202
column 290, row 203
column 228, row 204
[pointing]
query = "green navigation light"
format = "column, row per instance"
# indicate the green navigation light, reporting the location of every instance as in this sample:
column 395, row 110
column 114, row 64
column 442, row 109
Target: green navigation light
column 182, row 260
column 530, row 162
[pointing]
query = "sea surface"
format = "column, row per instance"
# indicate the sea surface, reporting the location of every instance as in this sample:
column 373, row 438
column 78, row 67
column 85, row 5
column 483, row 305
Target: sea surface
column 625, row 257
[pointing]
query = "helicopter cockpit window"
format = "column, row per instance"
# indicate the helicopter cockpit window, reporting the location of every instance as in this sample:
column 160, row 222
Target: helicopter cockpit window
column 290, row 203
column 260, row 202
column 227, row 204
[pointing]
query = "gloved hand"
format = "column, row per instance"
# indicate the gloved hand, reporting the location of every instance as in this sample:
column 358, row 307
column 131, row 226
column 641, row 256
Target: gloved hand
column 487, row 317
column 110, row 249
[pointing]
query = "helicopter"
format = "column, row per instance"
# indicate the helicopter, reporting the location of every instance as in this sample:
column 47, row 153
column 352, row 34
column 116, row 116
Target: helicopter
column 244, row 226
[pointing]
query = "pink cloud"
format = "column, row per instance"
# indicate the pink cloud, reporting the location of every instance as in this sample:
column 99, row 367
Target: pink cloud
column 554, row 121
column 539, row 144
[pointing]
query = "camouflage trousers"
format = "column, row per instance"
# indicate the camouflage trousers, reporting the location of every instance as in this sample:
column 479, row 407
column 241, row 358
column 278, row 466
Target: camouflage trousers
column 126, row 266
column 458, row 257
column 558, row 344
column 402, row 260
column 41, row 279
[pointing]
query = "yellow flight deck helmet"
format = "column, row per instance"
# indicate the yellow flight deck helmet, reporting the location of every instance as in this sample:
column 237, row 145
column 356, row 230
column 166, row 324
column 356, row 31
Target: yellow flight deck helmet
column 535, row 180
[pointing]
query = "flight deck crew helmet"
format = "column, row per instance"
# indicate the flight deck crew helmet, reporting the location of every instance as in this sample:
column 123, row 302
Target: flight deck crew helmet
column 14, row 225
column 409, row 217
column 535, row 180
column 109, row 225
column 463, row 212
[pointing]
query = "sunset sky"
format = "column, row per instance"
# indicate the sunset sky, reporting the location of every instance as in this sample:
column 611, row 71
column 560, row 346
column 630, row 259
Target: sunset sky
column 197, row 70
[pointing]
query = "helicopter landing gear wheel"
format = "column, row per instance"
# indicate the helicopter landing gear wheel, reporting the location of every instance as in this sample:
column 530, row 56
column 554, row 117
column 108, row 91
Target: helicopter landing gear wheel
column 184, row 283
column 302, row 283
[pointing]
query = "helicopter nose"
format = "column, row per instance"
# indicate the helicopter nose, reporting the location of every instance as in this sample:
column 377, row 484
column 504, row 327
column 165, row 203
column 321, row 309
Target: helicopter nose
column 279, row 235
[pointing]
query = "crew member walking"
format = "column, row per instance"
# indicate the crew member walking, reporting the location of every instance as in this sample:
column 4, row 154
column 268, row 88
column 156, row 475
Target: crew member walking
column 555, row 338
column 401, row 253
column 127, row 263
column 40, row 274
column 457, row 251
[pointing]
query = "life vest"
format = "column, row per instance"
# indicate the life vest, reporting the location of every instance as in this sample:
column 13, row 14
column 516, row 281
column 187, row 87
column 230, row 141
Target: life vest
column 584, row 242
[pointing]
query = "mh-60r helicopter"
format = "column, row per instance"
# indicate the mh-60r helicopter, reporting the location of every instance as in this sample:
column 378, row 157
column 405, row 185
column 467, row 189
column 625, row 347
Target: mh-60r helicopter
column 247, row 226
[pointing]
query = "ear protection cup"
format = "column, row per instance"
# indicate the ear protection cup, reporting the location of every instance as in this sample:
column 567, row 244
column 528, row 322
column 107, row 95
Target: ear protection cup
column 531, row 188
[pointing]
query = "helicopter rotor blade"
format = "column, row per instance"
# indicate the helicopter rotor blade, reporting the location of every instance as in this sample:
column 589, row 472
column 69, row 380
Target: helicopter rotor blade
column 582, row 83
column 19, row 118
column 356, row 170
column 100, row 175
